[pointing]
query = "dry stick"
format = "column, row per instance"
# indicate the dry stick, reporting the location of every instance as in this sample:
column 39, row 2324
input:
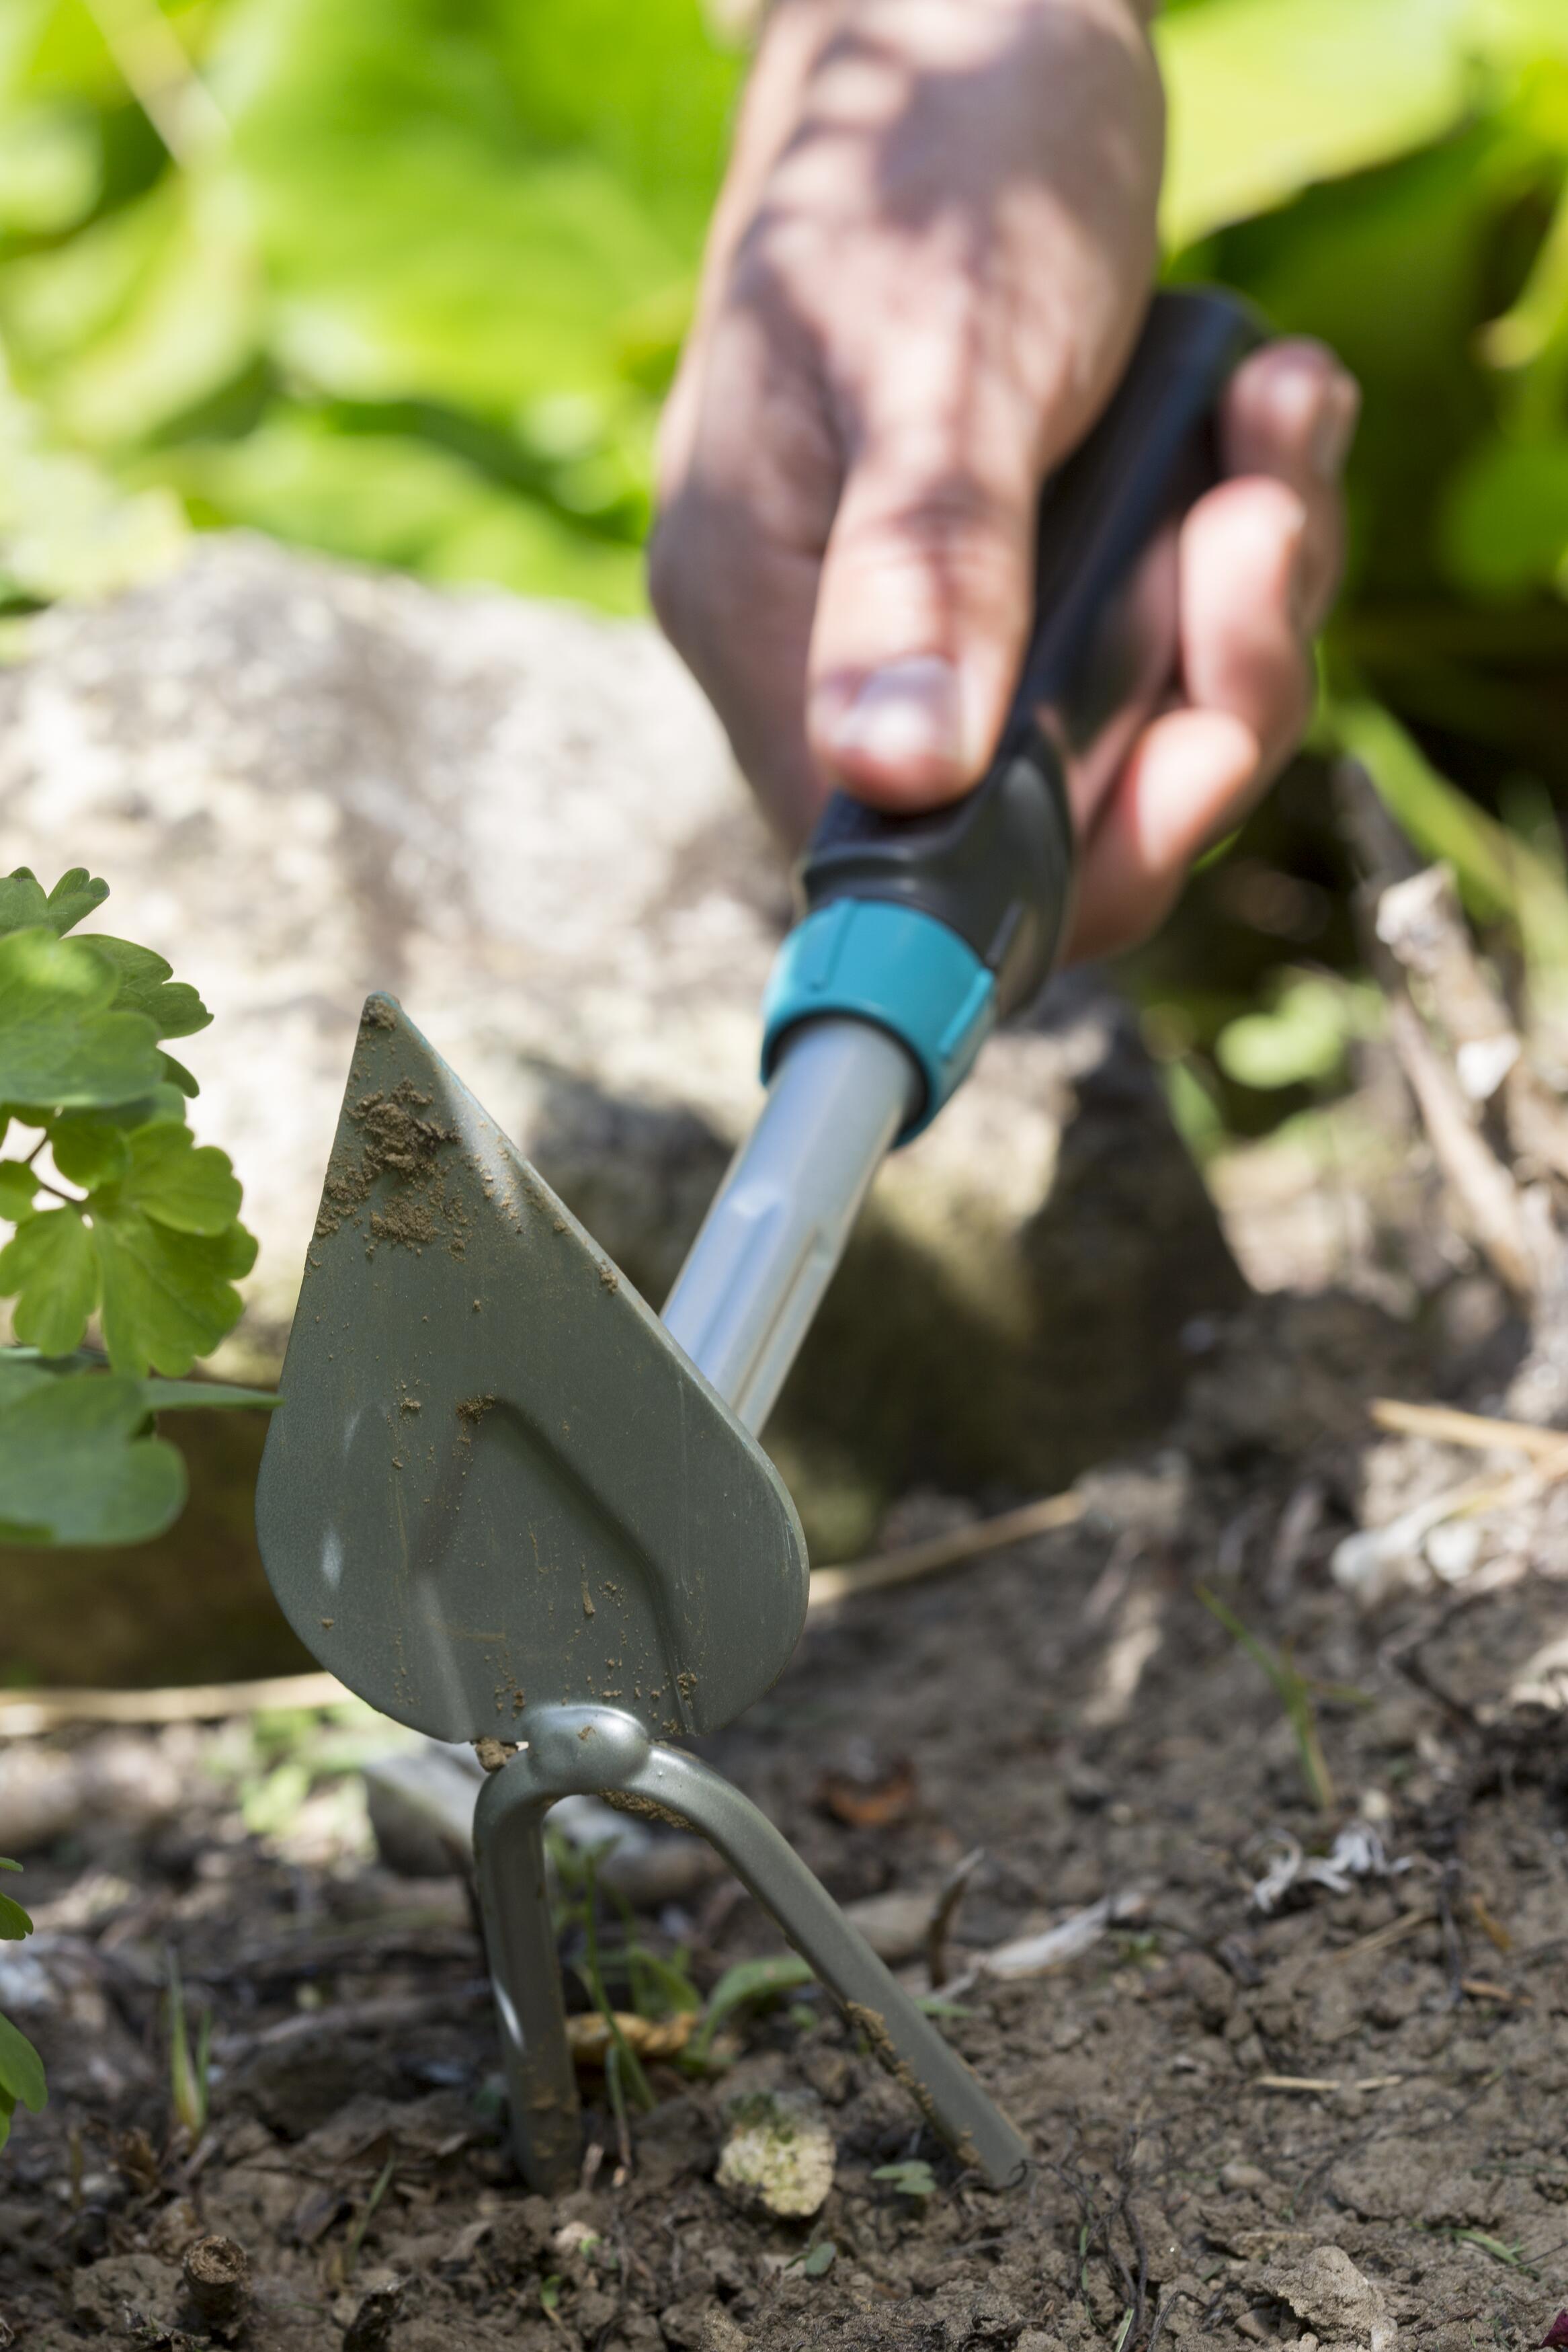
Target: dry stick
column 914, row 1561
column 23, row 1714
column 1484, row 1187
column 1380, row 1938
column 1449, row 1426
column 944, row 1913
column 1325, row 2083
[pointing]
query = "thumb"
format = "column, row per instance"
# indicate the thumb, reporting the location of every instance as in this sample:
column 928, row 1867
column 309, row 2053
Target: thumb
column 923, row 606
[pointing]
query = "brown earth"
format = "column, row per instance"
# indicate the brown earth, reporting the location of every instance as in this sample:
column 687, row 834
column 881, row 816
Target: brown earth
column 1217, row 2097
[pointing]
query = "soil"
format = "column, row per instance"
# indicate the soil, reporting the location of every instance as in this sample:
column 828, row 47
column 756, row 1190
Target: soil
column 1335, row 2123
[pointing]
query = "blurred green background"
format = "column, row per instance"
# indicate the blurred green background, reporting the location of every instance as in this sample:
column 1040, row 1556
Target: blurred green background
column 405, row 281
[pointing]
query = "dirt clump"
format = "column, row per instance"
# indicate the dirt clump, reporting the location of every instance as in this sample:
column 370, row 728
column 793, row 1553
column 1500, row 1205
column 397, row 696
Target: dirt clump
column 393, row 1139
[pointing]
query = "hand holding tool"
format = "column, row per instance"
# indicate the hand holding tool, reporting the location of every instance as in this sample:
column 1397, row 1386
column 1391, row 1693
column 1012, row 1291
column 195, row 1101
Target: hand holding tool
column 503, row 1501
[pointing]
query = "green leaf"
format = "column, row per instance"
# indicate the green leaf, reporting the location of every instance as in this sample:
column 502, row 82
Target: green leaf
column 89, row 1150
column 21, row 1371
column 24, row 902
column 914, row 2177
column 23, row 906
column 190, row 1396
column 1504, row 530
column 191, row 1189
column 21, row 2069
column 51, row 1269
column 18, row 1188
column 73, row 1462
column 748, row 1980
column 1302, row 1041
column 1268, row 96
column 168, row 1296
column 15, row 1923
column 165, row 1107
column 179, row 1077
column 59, row 1043
column 820, row 2261
column 145, row 986
column 1441, row 821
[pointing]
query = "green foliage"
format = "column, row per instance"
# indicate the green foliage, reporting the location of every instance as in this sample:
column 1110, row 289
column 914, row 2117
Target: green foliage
column 189, row 2061
column 398, row 280
column 739, row 1987
column 1303, row 1036
column 407, row 283
column 21, row 2069
column 117, row 1212
column 914, row 2177
column 1298, row 1695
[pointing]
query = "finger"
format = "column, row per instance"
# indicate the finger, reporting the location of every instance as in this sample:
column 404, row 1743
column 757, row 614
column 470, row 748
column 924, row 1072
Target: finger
column 1248, row 672
column 1291, row 412
column 924, row 597
column 754, row 473
column 1191, row 775
column 1244, row 641
column 926, row 582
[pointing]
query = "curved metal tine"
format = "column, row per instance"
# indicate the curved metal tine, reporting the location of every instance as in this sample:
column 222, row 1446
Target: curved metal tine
column 905, row 2039
column 571, row 1748
column 525, row 1976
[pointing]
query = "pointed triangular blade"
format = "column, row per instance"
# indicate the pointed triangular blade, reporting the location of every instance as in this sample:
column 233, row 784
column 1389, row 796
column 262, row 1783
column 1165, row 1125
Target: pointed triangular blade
column 494, row 1479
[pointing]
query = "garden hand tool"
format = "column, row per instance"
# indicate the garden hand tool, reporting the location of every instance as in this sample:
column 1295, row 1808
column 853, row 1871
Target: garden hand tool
column 503, row 1501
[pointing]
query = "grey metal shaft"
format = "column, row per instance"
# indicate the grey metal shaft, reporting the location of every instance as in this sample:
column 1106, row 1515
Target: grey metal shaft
column 743, row 1300
column 566, row 1749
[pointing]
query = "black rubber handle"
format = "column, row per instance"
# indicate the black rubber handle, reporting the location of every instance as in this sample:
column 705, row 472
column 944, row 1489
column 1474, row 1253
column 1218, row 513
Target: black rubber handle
column 997, row 867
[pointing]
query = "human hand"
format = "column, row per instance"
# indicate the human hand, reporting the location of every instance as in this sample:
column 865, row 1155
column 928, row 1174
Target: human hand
column 927, row 271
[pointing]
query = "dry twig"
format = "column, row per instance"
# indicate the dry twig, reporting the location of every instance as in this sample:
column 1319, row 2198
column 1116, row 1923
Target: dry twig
column 1448, row 1426
column 25, row 1713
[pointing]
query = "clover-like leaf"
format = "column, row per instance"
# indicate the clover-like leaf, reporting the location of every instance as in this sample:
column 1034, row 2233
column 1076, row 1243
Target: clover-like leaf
column 24, row 904
column 21, row 2080
column 18, row 1188
column 15, row 1923
column 145, row 986
column 168, row 1296
column 60, row 1044
column 76, row 1460
column 51, row 1270
column 166, row 1102
column 88, row 1151
column 186, row 1396
column 20, row 1371
column 191, row 1189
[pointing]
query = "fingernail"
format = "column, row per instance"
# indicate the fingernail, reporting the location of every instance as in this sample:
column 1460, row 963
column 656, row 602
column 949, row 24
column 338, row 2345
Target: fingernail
column 904, row 716
column 1336, row 428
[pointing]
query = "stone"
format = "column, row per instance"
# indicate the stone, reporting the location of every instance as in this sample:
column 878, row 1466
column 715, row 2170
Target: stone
column 1346, row 2310
column 128, row 2294
column 366, row 2310
column 701, row 2325
column 303, row 781
column 778, row 2155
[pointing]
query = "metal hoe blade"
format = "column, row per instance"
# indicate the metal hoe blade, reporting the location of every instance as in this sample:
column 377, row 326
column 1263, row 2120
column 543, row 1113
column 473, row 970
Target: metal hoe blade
column 499, row 1502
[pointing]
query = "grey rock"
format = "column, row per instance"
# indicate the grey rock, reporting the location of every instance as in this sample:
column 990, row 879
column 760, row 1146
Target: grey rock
column 303, row 781
column 51, row 1792
column 365, row 2311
